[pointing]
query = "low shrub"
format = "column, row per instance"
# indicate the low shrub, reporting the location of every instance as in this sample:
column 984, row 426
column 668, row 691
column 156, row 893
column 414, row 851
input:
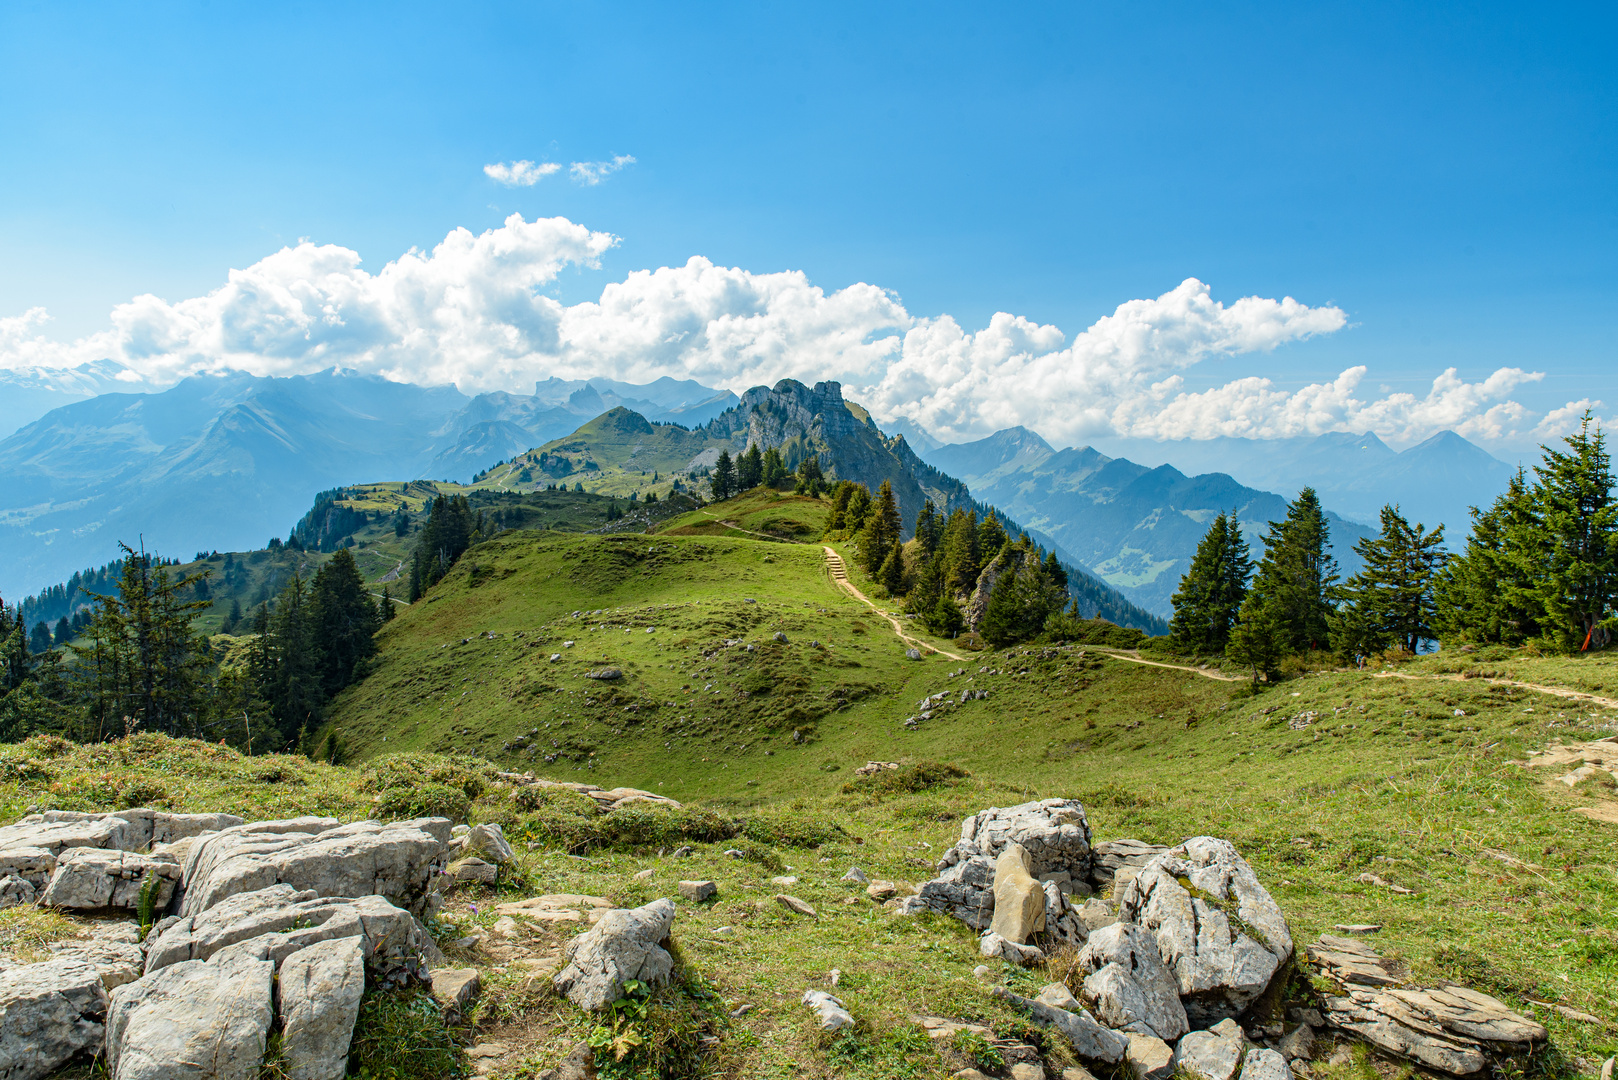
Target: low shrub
column 471, row 775
column 908, row 780
column 652, row 825
column 428, row 800
column 789, row 830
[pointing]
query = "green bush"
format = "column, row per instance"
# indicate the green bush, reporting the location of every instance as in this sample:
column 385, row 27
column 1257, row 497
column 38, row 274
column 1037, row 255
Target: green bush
column 908, row 780
column 789, row 830
column 651, row 824
column 471, row 775
column 428, row 800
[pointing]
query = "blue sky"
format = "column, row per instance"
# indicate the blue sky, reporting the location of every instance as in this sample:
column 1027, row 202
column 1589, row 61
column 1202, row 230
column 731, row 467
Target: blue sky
column 1443, row 174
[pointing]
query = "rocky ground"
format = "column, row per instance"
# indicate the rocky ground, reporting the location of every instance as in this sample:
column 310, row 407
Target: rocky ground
column 202, row 945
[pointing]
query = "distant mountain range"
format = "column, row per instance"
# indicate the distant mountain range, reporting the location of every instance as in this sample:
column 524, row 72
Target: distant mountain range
column 26, row 394
column 620, row 451
column 1433, row 482
column 1133, row 527
column 227, row 461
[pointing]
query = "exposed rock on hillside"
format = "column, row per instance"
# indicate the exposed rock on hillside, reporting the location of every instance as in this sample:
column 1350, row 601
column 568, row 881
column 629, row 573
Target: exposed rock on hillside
column 799, row 420
column 623, row 945
column 1216, row 926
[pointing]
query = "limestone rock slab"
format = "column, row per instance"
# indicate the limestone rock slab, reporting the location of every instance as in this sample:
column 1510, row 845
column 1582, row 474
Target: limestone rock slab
column 48, row 1013
column 1217, row 928
column 88, row 879
column 1019, row 900
column 624, row 944
column 319, row 988
column 1089, row 1039
column 1129, row 985
column 197, row 1020
column 283, row 921
column 399, row 861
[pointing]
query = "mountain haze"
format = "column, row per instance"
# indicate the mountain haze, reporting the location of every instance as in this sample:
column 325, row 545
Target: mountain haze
column 1132, row 526
column 225, row 461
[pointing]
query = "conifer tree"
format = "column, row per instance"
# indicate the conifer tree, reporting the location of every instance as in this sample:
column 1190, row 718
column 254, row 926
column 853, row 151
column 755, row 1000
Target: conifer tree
column 859, row 507
column 881, row 531
column 1579, row 518
column 750, row 469
column 962, row 558
column 774, row 472
column 892, row 572
column 1211, row 593
column 929, row 529
column 385, row 610
column 40, row 640
column 1390, row 602
column 811, row 480
column 723, row 480
column 342, row 620
column 1295, row 576
column 64, row 631
column 1487, row 594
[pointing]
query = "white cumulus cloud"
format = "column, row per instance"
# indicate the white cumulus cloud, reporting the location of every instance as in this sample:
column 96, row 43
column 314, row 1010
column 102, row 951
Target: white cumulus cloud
column 591, row 173
column 520, row 173
column 472, row 311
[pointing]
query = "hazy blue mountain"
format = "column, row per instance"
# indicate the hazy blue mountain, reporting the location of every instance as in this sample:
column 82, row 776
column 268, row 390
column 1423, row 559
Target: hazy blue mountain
column 1133, row 526
column 1432, row 482
column 226, row 461
column 26, row 394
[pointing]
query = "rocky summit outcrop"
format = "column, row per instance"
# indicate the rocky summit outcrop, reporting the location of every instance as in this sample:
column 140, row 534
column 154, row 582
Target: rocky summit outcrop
column 1216, row 926
column 49, row 1013
column 399, row 861
column 276, row 919
column 624, row 944
column 1053, row 832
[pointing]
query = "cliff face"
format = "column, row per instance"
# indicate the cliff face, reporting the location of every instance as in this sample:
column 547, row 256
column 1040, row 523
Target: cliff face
column 799, row 420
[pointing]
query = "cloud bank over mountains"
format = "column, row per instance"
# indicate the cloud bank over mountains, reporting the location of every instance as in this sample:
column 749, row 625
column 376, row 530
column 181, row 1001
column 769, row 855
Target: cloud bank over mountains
column 473, row 312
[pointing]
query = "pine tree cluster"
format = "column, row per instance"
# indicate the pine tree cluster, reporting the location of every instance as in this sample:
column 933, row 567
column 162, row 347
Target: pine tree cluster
column 1540, row 565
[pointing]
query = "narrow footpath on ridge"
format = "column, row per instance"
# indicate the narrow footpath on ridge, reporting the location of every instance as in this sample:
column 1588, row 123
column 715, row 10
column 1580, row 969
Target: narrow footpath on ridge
column 839, row 574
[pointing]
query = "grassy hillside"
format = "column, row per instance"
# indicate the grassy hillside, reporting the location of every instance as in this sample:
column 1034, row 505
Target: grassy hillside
column 759, row 514
column 1317, row 780
column 618, row 453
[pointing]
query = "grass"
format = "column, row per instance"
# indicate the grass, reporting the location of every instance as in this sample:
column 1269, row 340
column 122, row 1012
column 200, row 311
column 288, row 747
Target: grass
column 778, row 514
column 1316, row 780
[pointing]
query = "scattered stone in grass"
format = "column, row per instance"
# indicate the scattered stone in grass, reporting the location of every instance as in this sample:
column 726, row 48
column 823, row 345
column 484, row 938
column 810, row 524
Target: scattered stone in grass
column 789, row 879
column 1369, row 878
column 683, row 851
column 881, row 890
column 792, row 903
column 742, row 1010
column 836, row 976
column 735, row 853
column 698, row 891
column 982, row 971
column 833, row 1016
column 645, row 875
column 993, row 946
column 856, row 875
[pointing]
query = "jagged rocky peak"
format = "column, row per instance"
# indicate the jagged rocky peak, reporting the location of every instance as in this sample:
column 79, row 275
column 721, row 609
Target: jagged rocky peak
column 774, row 415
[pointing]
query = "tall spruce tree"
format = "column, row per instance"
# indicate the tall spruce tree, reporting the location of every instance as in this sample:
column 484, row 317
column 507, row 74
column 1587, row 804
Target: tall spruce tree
column 774, row 472
column 1211, row 593
column 882, row 529
column 1287, row 608
column 1390, row 602
column 1579, row 518
column 750, row 469
column 342, row 620
column 1488, row 594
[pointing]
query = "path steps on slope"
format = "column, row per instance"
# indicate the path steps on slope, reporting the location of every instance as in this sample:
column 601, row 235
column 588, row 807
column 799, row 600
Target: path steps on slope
column 839, row 574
